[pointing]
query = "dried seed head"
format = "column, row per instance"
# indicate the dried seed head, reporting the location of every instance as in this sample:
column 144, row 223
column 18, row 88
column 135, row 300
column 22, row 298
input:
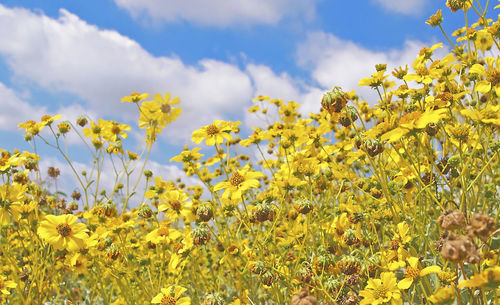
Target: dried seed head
column 204, row 213
column 334, row 100
column 373, row 147
column 452, row 220
column 201, row 235
column 53, row 172
column 303, row 205
column 304, row 298
column 145, row 211
column 351, row 299
column 458, row 248
column 481, row 226
column 76, row 195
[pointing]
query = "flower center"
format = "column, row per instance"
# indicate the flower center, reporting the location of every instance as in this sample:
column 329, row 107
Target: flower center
column 2, row 284
column 422, row 71
column 63, row 229
column 176, row 205
column 166, row 108
column 167, row 300
column 412, row 272
column 163, row 231
column 493, row 76
column 445, row 96
column 115, row 129
column 380, row 292
column 212, row 130
column 488, row 114
column 236, row 179
column 96, row 130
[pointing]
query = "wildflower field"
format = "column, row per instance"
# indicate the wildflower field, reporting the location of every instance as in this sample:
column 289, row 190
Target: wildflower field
column 394, row 201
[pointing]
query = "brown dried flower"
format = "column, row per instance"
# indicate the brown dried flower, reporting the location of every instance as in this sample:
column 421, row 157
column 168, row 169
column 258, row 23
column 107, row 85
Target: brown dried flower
column 482, row 226
column 304, row 298
column 452, row 220
column 459, row 248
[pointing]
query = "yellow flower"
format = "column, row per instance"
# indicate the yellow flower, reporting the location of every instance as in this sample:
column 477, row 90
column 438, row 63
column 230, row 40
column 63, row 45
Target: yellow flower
column 159, row 111
column 4, row 284
column 63, row 232
column 31, row 127
column 414, row 120
column 159, row 188
column 492, row 75
column 412, row 272
column 164, row 234
column 483, row 40
column 47, row 119
column 10, row 199
column 176, row 204
column 166, row 297
column 78, row 263
column 376, row 80
column 188, row 156
column 436, row 19
column 489, row 277
column 289, row 113
column 443, row 295
column 95, row 130
column 255, row 138
column 488, row 115
column 240, row 181
column 135, row 97
column 167, row 113
column 380, row 291
column 214, row 133
column 253, row 109
column 111, row 130
column 261, row 98
column 402, row 234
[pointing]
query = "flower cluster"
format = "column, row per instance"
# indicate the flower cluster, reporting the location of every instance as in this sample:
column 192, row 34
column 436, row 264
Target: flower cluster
column 395, row 203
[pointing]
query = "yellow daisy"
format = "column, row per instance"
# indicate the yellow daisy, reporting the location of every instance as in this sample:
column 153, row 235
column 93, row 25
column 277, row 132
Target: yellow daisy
column 380, row 291
column 240, row 181
column 412, row 272
column 135, row 97
column 166, row 298
column 63, row 232
column 213, row 134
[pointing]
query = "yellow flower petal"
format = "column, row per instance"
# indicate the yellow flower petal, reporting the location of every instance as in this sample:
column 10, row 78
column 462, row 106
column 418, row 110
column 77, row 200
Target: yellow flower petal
column 483, row 86
column 429, row 270
column 479, row 69
column 405, row 283
column 394, row 135
column 157, row 298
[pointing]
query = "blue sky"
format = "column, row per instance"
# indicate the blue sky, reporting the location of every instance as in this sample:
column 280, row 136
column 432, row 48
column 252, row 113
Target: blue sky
column 80, row 57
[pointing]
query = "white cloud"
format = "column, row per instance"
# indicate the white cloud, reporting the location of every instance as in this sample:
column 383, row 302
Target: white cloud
column 15, row 110
column 220, row 13
column 409, row 7
column 102, row 66
column 284, row 87
column 336, row 62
